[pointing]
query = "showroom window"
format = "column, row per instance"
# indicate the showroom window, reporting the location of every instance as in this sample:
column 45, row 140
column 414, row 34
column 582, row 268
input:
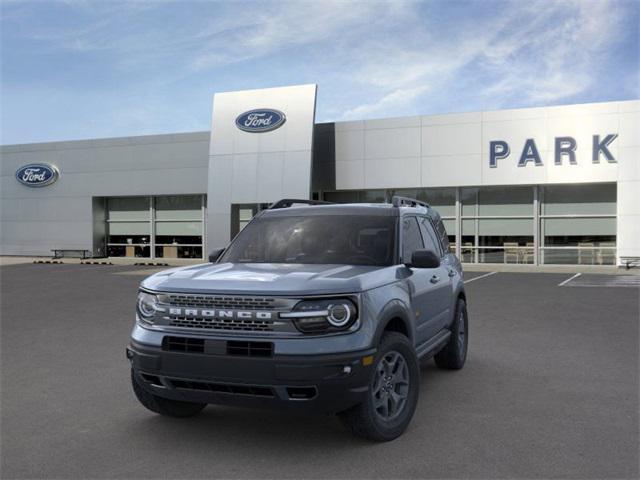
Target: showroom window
column 578, row 224
column 497, row 225
column 552, row 224
column 155, row 227
column 242, row 213
column 442, row 199
column 356, row 196
column 178, row 226
column 129, row 227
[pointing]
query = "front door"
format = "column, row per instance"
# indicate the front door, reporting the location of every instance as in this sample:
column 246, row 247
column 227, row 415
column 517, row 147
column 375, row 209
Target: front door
column 426, row 285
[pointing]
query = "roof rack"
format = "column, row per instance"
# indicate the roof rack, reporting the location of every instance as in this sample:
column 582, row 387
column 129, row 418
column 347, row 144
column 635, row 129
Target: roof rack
column 288, row 202
column 398, row 201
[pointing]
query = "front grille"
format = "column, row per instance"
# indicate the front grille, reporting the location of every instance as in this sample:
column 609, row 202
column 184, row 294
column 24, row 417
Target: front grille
column 253, row 390
column 222, row 302
column 246, row 325
column 225, row 313
column 250, row 349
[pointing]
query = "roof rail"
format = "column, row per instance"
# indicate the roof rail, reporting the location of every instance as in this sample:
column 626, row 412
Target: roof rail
column 288, row 202
column 398, row 201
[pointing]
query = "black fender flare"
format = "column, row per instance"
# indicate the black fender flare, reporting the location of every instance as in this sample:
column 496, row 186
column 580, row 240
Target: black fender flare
column 392, row 310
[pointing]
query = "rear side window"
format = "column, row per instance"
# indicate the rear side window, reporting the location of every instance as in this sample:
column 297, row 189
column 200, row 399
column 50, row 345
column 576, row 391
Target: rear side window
column 411, row 238
column 430, row 237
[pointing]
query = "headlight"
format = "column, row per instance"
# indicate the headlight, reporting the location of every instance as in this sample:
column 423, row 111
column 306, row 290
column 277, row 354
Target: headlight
column 323, row 316
column 147, row 306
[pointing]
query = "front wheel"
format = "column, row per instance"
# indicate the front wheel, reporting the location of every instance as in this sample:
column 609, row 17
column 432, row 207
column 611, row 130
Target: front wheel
column 454, row 353
column 392, row 395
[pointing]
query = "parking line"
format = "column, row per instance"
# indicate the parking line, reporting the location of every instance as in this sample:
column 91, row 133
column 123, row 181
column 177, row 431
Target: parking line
column 480, row 276
column 561, row 284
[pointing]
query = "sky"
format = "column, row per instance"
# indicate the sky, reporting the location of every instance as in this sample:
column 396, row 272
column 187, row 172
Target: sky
column 79, row 69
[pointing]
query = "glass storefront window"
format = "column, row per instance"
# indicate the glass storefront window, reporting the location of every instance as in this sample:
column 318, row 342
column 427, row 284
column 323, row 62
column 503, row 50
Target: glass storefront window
column 577, row 223
column 179, row 207
column 579, row 256
column 594, row 240
column 245, row 215
column 598, row 199
column 469, row 201
column 177, row 231
column 371, row 196
column 505, row 201
column 355, row 196
column 128, row 208
column 441, row 199
column 129, row 228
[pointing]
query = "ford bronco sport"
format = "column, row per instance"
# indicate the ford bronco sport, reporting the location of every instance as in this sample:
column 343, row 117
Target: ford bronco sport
column 313, row 306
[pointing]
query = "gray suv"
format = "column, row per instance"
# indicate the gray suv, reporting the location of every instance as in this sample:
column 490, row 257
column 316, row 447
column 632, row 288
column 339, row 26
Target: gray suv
column 314, row 307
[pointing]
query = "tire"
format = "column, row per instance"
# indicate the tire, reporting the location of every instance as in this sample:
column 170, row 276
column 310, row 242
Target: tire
column 454, row 353
column 164, row 406
column 368, row 419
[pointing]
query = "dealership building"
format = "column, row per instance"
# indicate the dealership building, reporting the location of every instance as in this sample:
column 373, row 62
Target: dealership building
column 552, row 185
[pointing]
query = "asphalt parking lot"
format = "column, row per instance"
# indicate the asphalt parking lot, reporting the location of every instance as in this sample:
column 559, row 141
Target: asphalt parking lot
column 550, row 390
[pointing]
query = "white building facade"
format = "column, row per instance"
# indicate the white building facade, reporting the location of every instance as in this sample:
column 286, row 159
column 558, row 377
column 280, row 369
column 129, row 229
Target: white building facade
column 553, row 185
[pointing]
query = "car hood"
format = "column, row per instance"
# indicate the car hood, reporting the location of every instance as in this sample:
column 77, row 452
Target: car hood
column 270, row 279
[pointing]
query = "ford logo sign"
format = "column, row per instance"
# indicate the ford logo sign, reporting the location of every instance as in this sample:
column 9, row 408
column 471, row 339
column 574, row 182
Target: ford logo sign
column 37, row 175
column 260, row 120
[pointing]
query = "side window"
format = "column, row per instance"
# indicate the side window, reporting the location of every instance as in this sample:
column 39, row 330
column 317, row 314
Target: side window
column 444, row 238
column 411, row 238
column 430, row 238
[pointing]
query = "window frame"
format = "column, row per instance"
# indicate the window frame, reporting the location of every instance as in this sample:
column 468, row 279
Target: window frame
column 401, row 228
column 435, row 237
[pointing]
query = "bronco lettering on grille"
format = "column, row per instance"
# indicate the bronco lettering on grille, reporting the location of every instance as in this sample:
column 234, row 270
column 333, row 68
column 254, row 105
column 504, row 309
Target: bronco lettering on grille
column 208, row 313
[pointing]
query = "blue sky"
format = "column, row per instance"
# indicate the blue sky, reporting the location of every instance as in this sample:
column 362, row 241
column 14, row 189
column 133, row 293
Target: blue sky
column 85, row 69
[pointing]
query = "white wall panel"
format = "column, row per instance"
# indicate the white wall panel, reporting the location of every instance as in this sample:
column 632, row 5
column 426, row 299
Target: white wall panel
column 350, row 175
column 448, row 170
column 444, row 140
column 630, row 129
column 349, row 145
column 244, row 181
column 296, row 176
column 392, row 173
column 451, row 119
column 270, row 174
column 35, row 220
column 267, row 165
column 392, row 142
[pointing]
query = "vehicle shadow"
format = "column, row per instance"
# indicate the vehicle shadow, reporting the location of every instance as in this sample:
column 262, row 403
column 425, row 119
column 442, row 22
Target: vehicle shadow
column 264, row 427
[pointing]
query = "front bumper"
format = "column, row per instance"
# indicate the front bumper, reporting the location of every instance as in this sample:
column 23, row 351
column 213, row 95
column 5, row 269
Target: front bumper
column 325, row 383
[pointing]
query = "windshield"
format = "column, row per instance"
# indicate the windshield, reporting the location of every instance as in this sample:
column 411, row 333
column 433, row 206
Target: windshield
column 338, row 239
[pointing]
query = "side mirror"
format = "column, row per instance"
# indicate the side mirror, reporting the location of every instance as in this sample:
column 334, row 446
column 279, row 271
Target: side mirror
column 424, row 259
column 215, row 254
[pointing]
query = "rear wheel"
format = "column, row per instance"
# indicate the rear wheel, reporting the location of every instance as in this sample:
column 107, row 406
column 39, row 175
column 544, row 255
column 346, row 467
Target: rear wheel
column 392, row 395
column 164, row 406
column 454, row 354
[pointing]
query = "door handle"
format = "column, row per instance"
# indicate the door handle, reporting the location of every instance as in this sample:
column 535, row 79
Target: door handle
column 435, row 279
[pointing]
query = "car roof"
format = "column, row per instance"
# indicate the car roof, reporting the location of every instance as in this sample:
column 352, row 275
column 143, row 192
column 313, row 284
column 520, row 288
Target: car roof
column 369, row 209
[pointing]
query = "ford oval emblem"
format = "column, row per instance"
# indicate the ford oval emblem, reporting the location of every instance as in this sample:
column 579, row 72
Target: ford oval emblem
column 37, row 175
column 260, row 120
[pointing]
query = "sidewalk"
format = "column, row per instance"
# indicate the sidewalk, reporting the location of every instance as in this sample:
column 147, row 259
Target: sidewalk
column 173, row 262
column 510, row 267
column 468, row 267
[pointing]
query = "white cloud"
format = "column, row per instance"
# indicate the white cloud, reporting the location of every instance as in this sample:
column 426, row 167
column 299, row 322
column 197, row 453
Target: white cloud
column 393, row 100
column 370, row 58
column 533, row 53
